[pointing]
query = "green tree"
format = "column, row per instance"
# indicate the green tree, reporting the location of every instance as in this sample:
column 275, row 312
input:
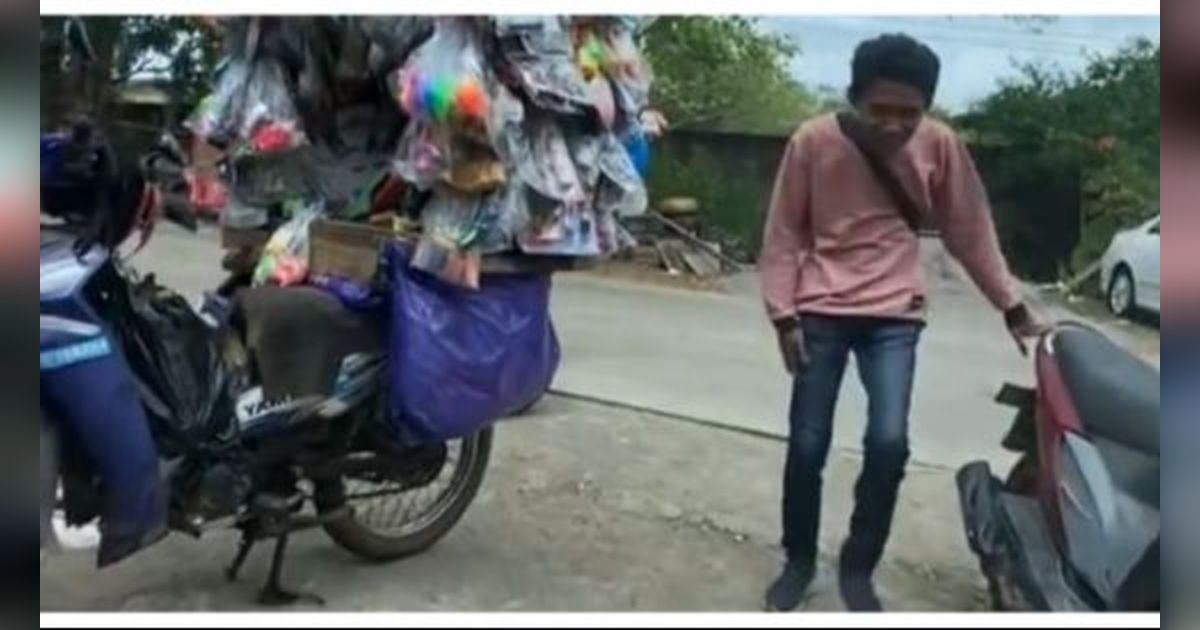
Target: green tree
column 725, row 74
column 1102, row 123
column 174, row 48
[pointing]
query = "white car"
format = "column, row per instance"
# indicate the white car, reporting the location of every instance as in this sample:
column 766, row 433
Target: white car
column 1130, row 272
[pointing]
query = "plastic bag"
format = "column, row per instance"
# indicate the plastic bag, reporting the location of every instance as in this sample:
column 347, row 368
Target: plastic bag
column 457, row 228
column 284, row 259
column 535, row 149
column 461, row 360
column 605, row 47
column 443, row 81
column 395, row 37
column 621, row 191
column 539, row 51
column 422, row 158
column 252, row 106
column 568, row 232
column 178, row 358
column 206, row 192
column 638, row 148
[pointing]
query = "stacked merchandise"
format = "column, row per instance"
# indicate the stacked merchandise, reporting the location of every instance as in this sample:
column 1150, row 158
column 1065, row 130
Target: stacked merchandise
column 473, row 136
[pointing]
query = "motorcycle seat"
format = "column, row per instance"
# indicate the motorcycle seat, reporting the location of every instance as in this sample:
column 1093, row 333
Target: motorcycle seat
column 1115, row 393
column 298, row 338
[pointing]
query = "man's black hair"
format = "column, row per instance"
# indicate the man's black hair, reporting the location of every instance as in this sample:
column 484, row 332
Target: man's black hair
column 898, row 58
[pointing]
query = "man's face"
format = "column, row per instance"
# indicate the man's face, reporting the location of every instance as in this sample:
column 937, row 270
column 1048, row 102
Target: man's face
column 892, row 111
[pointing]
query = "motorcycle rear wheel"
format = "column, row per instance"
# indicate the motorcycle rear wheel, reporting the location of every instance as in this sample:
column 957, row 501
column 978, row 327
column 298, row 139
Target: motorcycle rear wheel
column 385, row 528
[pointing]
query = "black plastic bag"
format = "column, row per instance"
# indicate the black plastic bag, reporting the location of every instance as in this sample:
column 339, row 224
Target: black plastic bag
column 187, row 386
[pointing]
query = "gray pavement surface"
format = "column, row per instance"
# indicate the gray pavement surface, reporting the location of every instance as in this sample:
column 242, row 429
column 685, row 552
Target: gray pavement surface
column 585, row 508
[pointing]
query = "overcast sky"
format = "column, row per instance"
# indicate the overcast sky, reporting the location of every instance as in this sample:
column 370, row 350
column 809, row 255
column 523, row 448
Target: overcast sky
column 976, row 52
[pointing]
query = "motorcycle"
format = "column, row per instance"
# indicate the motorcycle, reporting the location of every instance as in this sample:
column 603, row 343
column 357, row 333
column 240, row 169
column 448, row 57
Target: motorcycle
column 1075, row 526
column 125, row 444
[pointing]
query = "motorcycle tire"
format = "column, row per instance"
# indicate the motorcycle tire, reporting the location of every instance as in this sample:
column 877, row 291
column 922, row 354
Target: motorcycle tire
column 372, row 544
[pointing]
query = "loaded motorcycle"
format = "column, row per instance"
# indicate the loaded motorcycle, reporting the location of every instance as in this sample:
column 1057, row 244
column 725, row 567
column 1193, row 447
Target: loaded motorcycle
column 159, row 419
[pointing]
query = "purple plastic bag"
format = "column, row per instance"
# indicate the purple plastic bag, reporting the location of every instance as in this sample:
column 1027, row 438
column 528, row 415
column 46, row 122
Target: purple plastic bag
column 461, row 359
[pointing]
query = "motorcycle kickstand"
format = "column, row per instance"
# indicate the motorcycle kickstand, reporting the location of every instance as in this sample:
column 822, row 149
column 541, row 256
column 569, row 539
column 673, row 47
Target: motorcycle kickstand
column 272, row 593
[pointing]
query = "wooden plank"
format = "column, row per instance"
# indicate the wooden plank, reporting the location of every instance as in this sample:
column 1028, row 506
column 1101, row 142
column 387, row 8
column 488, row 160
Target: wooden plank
column 1088, row 272
column 700, row 261
column 689, row 237
column 352, row 250
column 668, row 251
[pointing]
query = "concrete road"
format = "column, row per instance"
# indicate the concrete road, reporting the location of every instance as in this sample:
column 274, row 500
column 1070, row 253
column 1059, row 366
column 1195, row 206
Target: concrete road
column 585, row 508
column 713, row 356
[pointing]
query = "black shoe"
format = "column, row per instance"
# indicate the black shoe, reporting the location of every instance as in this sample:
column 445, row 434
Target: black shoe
column 858, row 592
column 789, row 589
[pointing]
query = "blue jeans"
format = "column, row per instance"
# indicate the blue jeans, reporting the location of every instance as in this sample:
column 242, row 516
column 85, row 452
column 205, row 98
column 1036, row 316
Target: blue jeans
column 885, row 351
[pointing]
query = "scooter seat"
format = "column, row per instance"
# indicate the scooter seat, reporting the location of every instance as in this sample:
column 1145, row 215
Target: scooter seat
column 1115, row 393
column 299, row 336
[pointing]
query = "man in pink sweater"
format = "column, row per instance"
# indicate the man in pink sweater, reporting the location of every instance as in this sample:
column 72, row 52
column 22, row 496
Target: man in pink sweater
column 840, row 273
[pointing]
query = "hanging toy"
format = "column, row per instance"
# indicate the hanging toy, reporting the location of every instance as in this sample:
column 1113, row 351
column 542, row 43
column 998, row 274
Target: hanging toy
column 443, row 98
column 470, row 100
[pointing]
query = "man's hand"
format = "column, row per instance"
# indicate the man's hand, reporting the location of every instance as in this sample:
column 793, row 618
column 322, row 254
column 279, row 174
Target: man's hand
column 791, row 345
column 1024, row 324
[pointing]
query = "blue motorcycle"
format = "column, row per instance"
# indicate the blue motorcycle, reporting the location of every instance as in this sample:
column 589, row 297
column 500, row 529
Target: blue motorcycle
column 158, row 419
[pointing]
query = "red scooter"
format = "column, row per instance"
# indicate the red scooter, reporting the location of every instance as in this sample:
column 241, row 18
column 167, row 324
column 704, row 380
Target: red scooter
column 1075, row 525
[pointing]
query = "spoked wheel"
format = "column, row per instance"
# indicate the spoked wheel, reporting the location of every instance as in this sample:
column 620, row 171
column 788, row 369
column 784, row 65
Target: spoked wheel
column 386, row 522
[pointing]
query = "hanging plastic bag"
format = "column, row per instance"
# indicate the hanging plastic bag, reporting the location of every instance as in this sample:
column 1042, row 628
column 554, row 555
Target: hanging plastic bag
column 539, row 52
column 455, row 230
column 252, row 107
column 206, row 192
column 422, row 158
column 568, row 232
column 444, row 82
column 534, row 147
column 270, row 122
column 396, row 36
column 638, row 148
column 460, row 359
column 284, row 260
column 177, row 357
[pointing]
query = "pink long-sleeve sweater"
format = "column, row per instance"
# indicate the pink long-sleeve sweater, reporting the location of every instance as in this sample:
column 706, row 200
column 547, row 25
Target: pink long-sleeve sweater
column 835, row 243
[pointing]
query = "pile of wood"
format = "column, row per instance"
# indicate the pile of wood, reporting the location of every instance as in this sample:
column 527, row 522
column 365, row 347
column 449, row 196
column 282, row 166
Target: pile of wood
column 667, row 238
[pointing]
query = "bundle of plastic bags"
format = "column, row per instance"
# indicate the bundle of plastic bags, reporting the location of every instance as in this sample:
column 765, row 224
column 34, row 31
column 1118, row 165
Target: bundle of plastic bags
column 514, row 135
column 251, row 108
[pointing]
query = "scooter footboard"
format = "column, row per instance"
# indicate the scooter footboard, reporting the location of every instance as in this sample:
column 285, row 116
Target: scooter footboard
column 1015, row 552
column 979, row 499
